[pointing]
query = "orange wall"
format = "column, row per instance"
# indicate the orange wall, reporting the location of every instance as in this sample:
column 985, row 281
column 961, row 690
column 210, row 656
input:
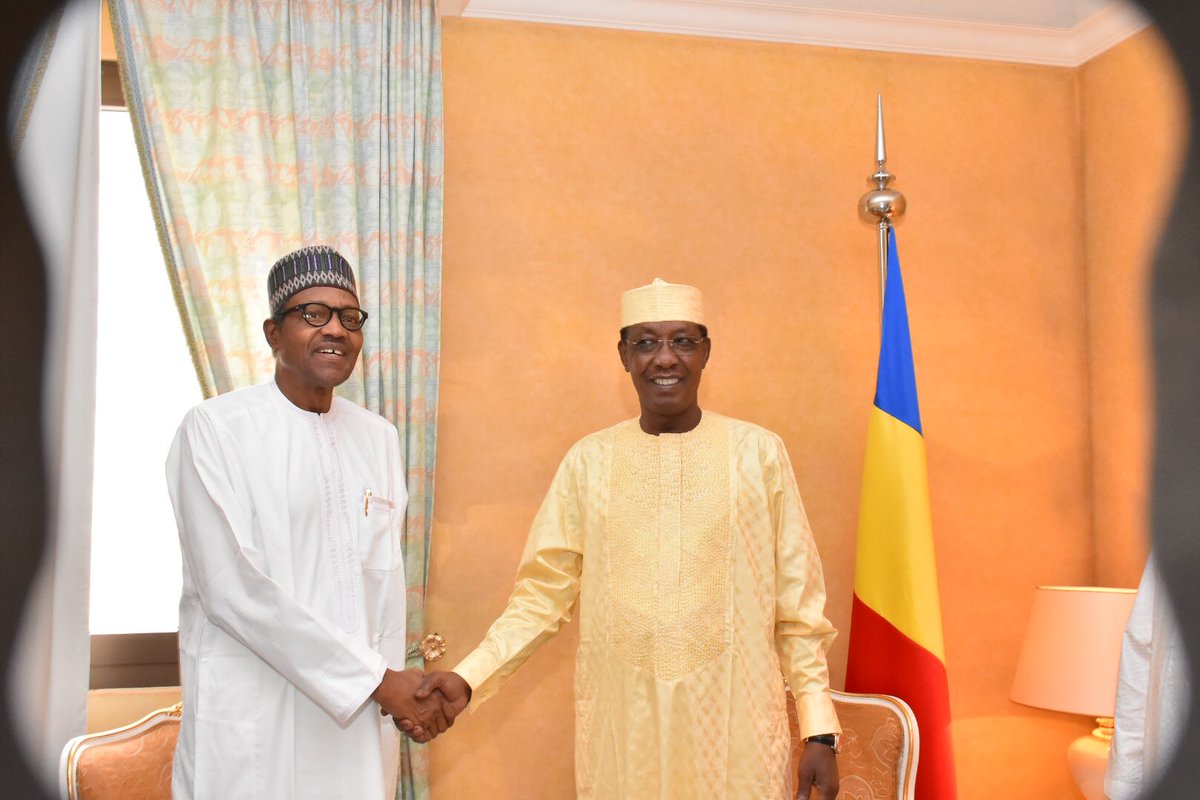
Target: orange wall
column 108, row 48
column 582, row 162
column 1134, row 121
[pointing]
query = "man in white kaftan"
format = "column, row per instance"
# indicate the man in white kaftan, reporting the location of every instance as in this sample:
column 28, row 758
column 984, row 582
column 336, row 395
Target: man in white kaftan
column 700, row 591
column 1153, row 693
column 293, row 597
column 289, row 504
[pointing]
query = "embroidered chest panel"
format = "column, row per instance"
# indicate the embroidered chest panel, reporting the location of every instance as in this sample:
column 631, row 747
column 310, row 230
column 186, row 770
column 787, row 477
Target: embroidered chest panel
column 669, row 548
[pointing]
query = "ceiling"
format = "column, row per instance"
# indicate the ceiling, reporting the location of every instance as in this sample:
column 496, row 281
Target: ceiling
column 1055, row 32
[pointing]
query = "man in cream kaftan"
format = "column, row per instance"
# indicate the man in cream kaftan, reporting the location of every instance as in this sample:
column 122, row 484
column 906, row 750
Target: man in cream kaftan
column 289, row 504
column 700, row 591
column 699, row 585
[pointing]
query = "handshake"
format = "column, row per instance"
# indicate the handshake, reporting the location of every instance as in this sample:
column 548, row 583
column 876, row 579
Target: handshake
column 422, row 704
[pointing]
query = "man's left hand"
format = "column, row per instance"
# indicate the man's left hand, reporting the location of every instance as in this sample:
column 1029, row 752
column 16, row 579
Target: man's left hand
column 818, row 770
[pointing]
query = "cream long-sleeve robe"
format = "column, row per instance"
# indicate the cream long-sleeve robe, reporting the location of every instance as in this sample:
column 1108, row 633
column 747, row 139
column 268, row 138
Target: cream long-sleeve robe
column 700, row 591
column 293, row 598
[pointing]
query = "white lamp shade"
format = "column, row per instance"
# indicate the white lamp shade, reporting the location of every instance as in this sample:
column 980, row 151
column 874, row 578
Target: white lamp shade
column 1072, row 649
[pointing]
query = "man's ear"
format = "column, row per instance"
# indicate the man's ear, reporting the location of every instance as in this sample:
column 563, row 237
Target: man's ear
column 271, row 333
column 623, row 349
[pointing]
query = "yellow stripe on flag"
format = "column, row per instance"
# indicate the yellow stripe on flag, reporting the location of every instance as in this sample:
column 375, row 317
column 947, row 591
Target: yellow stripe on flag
column 895, row 572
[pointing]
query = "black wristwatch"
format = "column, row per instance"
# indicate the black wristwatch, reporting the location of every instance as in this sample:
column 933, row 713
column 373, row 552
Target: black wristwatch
column 827, row 739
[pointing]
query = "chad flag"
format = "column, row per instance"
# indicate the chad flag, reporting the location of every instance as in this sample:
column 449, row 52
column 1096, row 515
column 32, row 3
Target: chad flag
column 896, row 622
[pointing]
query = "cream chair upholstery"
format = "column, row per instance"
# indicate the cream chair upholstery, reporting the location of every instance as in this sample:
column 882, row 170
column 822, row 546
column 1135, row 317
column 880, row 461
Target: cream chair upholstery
column 878, row 750
column 133, row 761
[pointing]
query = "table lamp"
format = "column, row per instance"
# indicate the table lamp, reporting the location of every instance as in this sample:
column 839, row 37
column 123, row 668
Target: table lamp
column 1069, row 663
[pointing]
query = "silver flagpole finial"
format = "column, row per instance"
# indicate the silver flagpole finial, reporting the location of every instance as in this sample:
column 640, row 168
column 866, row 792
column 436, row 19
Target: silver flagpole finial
column 881, row 204
column 880, row 153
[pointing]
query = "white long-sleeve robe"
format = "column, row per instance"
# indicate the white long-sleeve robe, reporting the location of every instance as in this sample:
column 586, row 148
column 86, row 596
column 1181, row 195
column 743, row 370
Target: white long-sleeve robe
column 293, row 598
column 1153, row 693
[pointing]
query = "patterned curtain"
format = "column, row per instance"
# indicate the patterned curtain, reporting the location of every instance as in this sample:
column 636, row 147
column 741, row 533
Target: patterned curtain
column 268, row 125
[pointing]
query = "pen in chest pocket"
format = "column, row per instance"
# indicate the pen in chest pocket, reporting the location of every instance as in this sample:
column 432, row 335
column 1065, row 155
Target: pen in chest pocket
column 370, row 499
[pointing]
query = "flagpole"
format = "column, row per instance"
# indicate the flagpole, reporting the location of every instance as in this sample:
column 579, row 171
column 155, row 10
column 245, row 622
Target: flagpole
column 881, row 205
column 895, row 616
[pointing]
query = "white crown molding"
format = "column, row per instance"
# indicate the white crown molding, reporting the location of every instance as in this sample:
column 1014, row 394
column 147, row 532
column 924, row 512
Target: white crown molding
column 1106, row 28
column 764, row 20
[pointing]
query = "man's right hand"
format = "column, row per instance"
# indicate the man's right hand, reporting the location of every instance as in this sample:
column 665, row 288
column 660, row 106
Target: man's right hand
column 421, row 718
column 453, row 687
column 454, row 693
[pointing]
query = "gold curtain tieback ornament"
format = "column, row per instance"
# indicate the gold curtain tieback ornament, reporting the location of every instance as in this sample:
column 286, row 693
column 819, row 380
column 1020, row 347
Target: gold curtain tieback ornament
column 432, row 647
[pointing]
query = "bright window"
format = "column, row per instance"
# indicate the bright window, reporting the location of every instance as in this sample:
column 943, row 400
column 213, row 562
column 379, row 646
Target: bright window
column 144, row 384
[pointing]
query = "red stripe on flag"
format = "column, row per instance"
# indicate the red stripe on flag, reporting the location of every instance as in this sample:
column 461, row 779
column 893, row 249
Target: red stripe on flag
column 883, row 660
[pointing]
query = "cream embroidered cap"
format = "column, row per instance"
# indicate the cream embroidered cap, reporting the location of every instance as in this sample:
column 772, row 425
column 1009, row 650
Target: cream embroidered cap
column 659, row 301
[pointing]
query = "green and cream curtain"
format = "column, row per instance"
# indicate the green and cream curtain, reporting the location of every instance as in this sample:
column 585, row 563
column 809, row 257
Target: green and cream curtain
column 270, row 125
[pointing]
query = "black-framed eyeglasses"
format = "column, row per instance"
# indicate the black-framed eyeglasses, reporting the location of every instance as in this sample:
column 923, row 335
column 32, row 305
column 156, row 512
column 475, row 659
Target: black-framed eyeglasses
column 319, row 314
column 681, row 345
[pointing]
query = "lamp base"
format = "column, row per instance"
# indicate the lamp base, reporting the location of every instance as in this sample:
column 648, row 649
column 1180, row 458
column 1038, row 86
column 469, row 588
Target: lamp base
column 1088, row 759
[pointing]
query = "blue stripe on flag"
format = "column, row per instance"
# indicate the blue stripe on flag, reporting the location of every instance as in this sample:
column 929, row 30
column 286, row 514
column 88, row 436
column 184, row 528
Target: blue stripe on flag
column 896, row 384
